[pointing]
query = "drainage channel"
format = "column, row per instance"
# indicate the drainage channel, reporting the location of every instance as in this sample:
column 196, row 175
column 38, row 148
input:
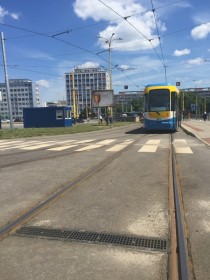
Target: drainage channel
column 153, row 244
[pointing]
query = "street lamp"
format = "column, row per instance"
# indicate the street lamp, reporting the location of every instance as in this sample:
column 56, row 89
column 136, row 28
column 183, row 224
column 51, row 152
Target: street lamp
column 109, row 42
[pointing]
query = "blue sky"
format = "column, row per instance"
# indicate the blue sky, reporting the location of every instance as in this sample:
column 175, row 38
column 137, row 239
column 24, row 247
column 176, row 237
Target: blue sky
column 160, row 39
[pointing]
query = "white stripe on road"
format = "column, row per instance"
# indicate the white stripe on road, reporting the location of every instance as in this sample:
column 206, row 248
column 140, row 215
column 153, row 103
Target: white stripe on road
column 180, row 141
column 106, row 142
column 121, row 146
column 183, row 150
column 36, row 147
column 153, row 142
column 21, row 145
column 62, row 148
column 148, row 149
column 86, row 141
column 88, row 148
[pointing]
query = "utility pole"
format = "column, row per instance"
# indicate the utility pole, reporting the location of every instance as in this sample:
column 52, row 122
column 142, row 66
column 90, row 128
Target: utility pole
column 7, row 81
column 109, row 42
column 74, row 101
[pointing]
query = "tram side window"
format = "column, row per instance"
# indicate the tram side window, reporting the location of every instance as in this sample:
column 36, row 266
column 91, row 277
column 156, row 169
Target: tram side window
column 173, row 101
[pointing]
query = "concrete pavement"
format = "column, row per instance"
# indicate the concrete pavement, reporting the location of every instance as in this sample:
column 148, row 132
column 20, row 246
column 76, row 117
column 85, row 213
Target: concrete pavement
column 198, row 128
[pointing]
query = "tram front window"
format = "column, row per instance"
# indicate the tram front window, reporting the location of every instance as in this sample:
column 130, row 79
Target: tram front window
column 159, row 100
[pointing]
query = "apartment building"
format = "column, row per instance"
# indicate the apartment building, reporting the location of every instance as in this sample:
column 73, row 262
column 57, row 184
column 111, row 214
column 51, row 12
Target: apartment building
column 23, row 94
column 84, row 80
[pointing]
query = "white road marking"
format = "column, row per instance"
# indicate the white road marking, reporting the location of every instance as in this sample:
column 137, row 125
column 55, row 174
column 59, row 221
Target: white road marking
column 106, row 142
column 88, row 148
column 181, row 146
column 6, row 144
column 153, row 142
column 116, row 148
column 148, row 149
column 180, row 141
column 121, row 146
column 36, row 147
column 183, row 150
column 86, row 141
column 61, row 148
column 19, row 146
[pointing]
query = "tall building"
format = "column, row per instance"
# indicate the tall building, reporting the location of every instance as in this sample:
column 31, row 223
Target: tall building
column 23, row 94
column 83, row 81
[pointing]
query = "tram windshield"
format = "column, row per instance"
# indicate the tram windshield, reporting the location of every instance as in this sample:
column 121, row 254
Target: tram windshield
column 158, row 100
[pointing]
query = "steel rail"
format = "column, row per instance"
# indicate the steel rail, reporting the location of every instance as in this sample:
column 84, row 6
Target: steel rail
column 4, row 231
column 183, row 266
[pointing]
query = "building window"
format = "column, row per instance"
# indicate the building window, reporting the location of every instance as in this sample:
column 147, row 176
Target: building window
column 59, row 114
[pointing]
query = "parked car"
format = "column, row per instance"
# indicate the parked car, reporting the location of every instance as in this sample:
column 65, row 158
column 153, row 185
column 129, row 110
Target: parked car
column 17, row 120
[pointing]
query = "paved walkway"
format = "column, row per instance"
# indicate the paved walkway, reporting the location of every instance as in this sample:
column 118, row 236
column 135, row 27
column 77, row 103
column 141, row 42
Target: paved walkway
column 198, row 128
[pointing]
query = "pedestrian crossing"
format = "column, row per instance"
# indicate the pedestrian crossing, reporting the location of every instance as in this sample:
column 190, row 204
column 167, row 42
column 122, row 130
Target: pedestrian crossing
column 181, row 146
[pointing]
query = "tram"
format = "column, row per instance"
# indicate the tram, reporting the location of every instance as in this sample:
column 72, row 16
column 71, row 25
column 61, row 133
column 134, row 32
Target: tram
column 161, row 107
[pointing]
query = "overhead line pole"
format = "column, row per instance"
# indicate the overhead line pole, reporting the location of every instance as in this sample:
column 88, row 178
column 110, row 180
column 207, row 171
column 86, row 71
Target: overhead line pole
column 6, row 81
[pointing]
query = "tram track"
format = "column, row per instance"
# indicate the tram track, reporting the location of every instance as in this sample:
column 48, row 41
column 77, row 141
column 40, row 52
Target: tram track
column 179, row 262
column 179, row 266
column 16, row 223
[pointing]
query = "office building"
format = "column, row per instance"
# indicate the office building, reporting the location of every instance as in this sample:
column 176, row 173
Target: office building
column 83, row 81
column 23, row 94
column 125, row 99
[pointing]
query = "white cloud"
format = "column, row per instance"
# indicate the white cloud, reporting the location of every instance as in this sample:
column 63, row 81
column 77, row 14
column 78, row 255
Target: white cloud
column 89, row 64
column 44, row 83
column 14, row 15
column 140, row 27
column 37, row 54
column 181, row 52
column 98, row 11
column 196, row 61
column 4, row 13
column 124, row 67
column 201, row 31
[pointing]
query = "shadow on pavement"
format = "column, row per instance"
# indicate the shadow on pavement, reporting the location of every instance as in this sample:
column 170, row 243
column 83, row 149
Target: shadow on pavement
column 141, row 130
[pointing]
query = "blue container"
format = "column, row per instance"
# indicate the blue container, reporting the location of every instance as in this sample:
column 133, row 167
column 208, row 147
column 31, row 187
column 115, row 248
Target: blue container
column 47, row 117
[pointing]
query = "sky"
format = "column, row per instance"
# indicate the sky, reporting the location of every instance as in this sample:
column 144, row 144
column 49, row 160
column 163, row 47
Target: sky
column 150, row 41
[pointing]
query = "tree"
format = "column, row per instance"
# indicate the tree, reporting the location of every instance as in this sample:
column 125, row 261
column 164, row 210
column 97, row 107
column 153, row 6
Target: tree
column 137, row 104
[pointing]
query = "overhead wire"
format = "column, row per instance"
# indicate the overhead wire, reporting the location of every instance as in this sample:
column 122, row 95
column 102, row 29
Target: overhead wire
column 54, row 36
column 125, row 18
column 84, row 26
column 159, row 38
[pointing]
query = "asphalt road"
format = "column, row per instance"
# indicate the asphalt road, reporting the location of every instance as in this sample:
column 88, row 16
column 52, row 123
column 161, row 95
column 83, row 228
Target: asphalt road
column 128, row 196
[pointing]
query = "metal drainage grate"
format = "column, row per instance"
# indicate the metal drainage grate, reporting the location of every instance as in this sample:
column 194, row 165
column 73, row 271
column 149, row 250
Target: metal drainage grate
column 94, row 237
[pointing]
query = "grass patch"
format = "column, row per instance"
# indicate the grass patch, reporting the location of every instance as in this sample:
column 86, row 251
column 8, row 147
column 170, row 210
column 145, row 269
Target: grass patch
column 78, row 128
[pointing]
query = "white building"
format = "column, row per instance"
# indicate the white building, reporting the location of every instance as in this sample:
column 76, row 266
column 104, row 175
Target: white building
column 23, row 93
column 84, row 80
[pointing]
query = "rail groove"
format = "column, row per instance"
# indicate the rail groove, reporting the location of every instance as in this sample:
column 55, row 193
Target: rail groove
column 183, row 265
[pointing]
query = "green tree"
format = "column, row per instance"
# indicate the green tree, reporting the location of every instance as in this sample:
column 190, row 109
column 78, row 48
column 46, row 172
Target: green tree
column 137, row 104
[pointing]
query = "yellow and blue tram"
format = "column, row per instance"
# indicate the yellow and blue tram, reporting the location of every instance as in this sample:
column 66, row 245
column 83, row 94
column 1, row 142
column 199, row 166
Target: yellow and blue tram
column 161, row 107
